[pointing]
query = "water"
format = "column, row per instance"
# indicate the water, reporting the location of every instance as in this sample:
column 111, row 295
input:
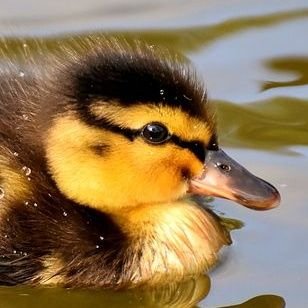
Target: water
column 253, row 56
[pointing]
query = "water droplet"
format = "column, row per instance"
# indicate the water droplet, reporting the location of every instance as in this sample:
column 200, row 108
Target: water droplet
column 25, row 253
column 25, row 117
column 97, row 246
column 2, row 193
column 26, row 202
column 101, row 238
column 64, row 214
column 21, row 74
column 187, row 97
column 26, row 170
column 35, row 204
column 161, row 92
column 15, row 154
column 14, row 251
column 6, row 236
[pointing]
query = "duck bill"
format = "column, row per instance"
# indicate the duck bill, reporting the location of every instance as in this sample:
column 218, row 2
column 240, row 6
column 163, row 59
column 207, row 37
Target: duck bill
column 224, row 177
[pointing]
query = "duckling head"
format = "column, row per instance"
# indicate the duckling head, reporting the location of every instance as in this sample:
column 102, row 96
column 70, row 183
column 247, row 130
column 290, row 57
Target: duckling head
column 132, row 126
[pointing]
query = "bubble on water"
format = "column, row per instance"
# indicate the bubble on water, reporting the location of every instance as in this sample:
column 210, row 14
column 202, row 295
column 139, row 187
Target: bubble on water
column 64, row 214
column 2, row 193
column 26, row 170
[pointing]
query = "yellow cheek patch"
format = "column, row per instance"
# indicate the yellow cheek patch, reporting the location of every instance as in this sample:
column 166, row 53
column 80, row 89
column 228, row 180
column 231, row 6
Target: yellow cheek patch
column 74, row 167
column 128, row 174
column 178, row 122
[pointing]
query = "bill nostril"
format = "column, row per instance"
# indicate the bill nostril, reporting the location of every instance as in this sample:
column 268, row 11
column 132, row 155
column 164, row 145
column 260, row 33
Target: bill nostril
column 223, row 167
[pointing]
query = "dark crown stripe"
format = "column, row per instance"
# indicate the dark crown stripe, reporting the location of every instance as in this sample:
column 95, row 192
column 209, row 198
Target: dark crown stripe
column 132, row 77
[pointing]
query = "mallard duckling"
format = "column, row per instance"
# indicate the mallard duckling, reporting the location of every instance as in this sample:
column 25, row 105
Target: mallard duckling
column 100, row 152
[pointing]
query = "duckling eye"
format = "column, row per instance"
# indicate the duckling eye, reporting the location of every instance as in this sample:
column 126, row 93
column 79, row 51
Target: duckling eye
column 155, row 133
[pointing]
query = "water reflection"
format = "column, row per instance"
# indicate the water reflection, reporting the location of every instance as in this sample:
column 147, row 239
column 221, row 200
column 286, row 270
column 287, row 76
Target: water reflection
column 186, row 294
column 261, row 301
column 270, row 124
column 183, row 39
column 182, row 295
column 298, row 66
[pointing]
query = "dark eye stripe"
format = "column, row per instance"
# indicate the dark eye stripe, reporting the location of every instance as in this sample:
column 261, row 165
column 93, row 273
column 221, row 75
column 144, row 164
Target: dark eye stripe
column 196, row 147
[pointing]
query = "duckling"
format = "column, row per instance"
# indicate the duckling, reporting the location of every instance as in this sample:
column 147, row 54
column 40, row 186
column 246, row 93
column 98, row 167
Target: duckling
column 102, row 150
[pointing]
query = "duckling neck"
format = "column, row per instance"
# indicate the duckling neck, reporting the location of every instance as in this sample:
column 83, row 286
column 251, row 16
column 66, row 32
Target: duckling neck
column 173, row 241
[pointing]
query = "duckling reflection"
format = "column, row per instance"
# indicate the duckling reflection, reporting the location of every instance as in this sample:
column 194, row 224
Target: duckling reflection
column 175, row 295
column 262, row 301
column 99, row 150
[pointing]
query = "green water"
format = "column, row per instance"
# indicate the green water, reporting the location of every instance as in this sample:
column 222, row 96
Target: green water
column 253, row 57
